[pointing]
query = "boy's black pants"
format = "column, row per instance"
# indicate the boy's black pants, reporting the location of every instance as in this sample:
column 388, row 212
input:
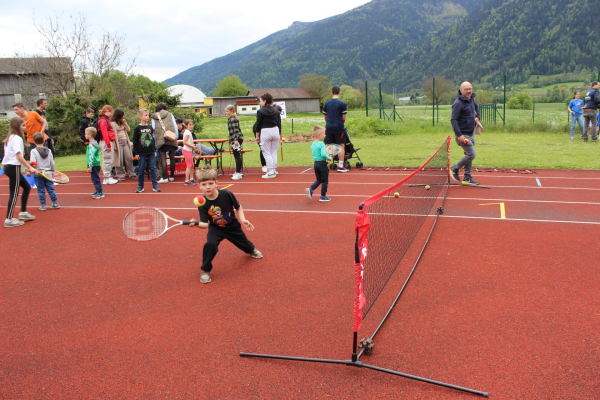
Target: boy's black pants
column 233, row 233
column 322, row 174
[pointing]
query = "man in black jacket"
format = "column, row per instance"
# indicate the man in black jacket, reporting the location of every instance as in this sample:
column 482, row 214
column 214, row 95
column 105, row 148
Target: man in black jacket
column 85, row 122
column 590, row 108
column 465, row 114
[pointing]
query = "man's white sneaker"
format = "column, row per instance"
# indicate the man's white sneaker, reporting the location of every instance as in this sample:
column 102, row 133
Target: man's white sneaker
column 236, row 177
column 110, row 181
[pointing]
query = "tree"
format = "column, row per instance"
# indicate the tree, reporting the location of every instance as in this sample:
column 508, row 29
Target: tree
column 230, row 86
column 317, row 85
column 444, row 89
column 73, row 58
column 352, row 97
column 522, row 101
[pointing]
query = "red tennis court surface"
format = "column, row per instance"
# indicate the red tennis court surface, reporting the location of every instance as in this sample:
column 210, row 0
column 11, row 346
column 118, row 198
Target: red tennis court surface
column 509, row 305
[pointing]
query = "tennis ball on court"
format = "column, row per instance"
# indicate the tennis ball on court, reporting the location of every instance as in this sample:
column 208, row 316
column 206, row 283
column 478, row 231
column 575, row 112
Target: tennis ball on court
column 427, row 187
column 466, row 183
column 396, row 194
column 199, row 201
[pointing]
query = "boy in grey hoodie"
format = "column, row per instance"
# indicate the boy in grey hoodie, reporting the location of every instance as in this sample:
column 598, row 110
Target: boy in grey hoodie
column 45, row 162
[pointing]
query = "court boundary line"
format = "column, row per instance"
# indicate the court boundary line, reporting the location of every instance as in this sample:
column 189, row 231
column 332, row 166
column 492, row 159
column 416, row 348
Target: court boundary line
column 348, row 213
column 591, row 203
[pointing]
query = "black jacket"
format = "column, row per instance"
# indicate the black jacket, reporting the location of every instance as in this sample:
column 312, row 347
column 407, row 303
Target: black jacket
column 592, row 99
column 83, row 124
column 267, row 117
column 464, row 113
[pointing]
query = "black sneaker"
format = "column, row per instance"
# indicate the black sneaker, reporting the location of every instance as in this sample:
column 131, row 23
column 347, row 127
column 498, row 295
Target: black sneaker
column 470, row 180
column 455, row 175
column 156, row 189
column 139, row 189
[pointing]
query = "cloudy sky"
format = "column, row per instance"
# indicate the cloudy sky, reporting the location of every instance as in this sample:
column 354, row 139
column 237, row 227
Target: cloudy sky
column 170, row 37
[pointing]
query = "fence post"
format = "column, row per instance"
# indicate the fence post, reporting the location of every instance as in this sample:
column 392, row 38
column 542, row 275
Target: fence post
column 292, row 126
column 504, row 105
column 433, row 103
column 367, row 96
column 380, row 102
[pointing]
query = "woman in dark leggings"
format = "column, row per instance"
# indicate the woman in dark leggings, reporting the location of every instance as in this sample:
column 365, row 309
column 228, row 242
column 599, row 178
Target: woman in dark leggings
column 163, row 121
column 13, row 159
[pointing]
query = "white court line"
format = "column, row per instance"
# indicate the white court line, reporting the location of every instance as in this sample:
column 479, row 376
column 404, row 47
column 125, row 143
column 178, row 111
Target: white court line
column 476, row 199
column 354, row 213
column 402, row 173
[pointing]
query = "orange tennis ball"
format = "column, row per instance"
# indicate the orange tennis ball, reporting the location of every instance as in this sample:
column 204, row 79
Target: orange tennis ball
column 466, row 141
column 396, row 194
column 199, row 201
column 33, row 163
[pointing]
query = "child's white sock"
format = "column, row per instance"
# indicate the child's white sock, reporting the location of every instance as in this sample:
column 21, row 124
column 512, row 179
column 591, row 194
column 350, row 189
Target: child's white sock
column 341, row 164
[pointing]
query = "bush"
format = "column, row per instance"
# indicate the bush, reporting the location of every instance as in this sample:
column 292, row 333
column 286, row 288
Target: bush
column 371, row 126
column 521, row 101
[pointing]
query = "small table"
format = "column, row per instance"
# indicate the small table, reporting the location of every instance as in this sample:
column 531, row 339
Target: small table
column 216, row 144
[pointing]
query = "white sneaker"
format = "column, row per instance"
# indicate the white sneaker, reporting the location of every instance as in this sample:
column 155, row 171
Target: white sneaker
column 163, row 180
column 236, row 177
column 276, row 172
column 269, row 176
column 264, row 169
column 13, row 223
column 110, row 181
column 25, row 216
column 171, row 179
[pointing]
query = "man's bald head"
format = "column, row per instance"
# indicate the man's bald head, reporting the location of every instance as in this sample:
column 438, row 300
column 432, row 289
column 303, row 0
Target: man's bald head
column 466, row 89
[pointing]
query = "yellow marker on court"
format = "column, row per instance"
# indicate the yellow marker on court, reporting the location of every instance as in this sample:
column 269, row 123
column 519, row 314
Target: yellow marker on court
column 502, row 209
column 225, row 187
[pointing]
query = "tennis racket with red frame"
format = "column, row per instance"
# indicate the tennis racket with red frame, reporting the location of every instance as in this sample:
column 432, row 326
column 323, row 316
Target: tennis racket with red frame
column 148, row 223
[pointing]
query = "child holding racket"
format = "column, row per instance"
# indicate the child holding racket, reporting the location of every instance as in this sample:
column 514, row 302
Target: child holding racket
column 13, row 159
column 92, row 155
column 217, row 214
column 42, row 156
column 321, row 171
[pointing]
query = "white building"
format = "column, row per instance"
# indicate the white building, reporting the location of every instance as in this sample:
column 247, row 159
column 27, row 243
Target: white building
column 190, row 96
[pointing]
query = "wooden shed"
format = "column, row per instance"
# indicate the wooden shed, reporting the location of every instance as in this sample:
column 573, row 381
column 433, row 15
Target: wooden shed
column 297, row 100
column 28, row 79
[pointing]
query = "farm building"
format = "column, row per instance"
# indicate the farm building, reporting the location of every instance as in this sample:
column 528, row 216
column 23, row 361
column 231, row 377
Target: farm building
column 297, row 100
column 28, row 79
column 218, row 104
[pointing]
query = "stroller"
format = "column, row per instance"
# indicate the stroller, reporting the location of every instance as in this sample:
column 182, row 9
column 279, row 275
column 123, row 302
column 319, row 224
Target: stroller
column 350, row 153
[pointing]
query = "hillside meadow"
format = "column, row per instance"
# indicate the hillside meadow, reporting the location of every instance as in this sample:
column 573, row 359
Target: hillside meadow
column 518, row 144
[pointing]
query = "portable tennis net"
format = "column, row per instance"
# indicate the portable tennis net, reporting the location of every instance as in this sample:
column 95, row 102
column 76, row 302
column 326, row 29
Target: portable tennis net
column 387, row 224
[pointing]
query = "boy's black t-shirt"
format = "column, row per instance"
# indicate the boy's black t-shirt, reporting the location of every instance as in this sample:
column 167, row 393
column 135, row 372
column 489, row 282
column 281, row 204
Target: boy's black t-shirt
column 143, row 140
column 220, row 211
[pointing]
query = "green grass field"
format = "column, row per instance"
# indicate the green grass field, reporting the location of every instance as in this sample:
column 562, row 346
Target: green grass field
column 519, row 144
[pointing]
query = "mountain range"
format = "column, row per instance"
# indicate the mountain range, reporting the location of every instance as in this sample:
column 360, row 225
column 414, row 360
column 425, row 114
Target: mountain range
column 403, row 42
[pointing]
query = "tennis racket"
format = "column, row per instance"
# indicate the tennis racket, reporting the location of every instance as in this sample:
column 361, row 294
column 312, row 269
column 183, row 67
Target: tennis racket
column 148, row 223
column 333, row 150
column 55, row 176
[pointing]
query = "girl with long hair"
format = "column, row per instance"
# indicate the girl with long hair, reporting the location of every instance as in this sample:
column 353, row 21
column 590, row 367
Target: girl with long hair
column 123, row 155
column 13, row 159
